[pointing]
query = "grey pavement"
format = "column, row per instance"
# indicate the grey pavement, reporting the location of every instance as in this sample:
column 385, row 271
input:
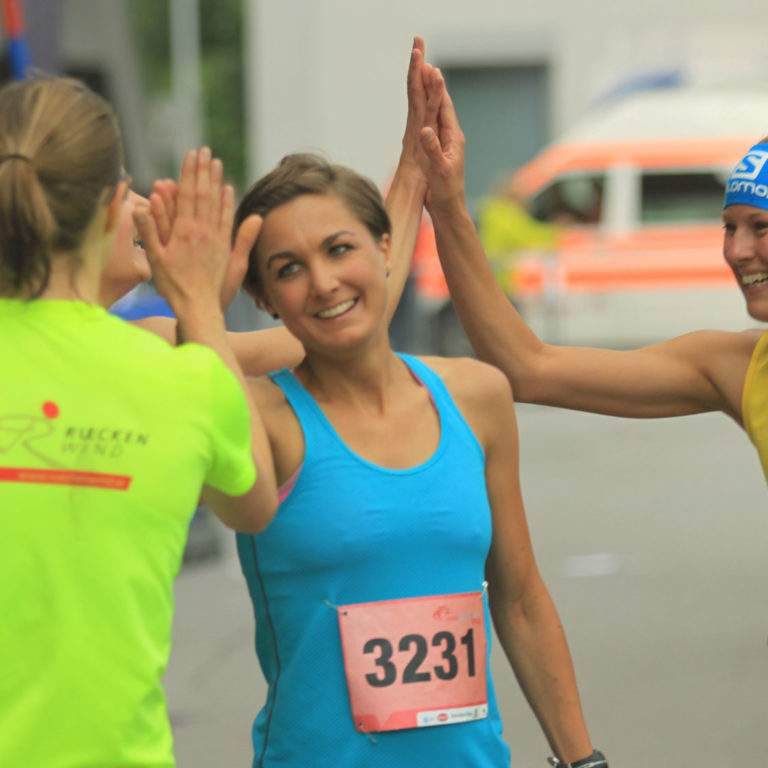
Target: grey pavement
column 651, row 536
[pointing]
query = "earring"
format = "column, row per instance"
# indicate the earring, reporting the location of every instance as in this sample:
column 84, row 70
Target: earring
column 275, row 316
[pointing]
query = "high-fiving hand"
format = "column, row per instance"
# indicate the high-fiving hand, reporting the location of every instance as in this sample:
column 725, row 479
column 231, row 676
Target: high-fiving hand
column 444, row 148
column 187, row 232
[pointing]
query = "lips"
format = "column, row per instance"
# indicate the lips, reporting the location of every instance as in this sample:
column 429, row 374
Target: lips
column 340, row 309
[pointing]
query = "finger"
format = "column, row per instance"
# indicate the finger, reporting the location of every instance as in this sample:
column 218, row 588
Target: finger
column 168, row 190
column 415, row 85
column 147, row 229
column 186, row 196
column 217, row 193
column 237, row 264
column 435, row 92
column 227, row 216
column 431, row 145
column 246, row 237
column 238, row 260
column 203, row 207
column 451, row 137
column 160, row 214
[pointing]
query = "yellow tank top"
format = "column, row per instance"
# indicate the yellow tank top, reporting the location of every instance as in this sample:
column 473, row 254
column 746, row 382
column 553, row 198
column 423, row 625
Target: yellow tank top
column 754, row 400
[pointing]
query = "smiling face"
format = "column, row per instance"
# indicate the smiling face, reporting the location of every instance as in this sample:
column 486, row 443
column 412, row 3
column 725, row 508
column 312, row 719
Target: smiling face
column 745, row 248
column 323, row 273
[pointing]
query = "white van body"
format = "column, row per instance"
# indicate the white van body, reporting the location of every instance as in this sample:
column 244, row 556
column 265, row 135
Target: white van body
column 644, row 261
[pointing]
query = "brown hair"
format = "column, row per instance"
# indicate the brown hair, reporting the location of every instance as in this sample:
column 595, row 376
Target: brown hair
column 307, row 174
column 60, row 148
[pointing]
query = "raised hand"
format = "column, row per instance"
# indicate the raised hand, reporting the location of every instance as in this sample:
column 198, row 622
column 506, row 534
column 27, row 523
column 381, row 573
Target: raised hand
column 163, row 204
column 444, row 149
column 425, row 87
column 187, row 231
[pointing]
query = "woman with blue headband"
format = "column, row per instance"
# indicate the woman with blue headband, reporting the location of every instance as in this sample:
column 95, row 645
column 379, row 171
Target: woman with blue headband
column 694, row 373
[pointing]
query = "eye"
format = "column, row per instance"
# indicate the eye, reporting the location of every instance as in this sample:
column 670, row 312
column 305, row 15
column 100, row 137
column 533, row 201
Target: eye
column 339, row 249
column 138, row 243
column 291, row 268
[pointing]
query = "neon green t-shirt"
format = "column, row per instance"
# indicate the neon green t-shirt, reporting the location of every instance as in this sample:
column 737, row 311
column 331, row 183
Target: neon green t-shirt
column 107, row 435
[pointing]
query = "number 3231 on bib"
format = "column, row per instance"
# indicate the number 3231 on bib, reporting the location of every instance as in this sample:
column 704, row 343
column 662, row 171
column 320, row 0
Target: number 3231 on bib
column 415, row 662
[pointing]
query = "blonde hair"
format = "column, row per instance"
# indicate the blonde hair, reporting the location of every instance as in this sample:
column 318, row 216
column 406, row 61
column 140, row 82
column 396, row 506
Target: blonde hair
column 60, row 149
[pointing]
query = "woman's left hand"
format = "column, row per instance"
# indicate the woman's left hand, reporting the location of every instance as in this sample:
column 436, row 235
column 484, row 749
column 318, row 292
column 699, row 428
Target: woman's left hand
column 425, row 86
column 187, row 232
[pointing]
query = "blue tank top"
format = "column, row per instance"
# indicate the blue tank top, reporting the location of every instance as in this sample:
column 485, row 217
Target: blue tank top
column 351, row 532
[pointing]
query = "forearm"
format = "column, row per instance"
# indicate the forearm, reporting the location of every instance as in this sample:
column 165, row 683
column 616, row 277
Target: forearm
column 496, row 331
column 252, row 511
column 533, row 639
column 405, row 203
column 263, row 351
column 258, row 352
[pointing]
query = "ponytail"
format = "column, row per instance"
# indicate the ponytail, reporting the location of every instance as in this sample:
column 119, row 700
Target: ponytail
column 60, row 150
column 27, row 229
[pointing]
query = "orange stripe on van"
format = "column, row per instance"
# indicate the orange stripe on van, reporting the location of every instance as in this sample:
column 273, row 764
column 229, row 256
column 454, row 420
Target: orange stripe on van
column 588, row 281
column 666, row 155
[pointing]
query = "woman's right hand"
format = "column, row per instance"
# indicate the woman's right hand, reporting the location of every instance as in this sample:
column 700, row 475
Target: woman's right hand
column 444, row 149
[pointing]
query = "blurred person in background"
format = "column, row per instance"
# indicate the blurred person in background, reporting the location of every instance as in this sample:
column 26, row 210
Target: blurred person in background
column 701, row 371
column 108, row 435
column 507, row 231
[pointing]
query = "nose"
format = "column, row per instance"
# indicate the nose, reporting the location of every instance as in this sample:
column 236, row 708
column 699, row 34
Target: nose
column 323, row 279
column 741, row 246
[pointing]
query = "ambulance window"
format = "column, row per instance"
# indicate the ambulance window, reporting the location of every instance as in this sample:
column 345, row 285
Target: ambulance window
column 681, row 197
column 570, row 200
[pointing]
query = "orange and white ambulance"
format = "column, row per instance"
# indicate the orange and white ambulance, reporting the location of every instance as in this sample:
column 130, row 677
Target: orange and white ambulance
column 641, row 185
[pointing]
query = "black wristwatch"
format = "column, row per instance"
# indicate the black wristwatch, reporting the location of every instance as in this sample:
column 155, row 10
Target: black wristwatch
column 595, row 760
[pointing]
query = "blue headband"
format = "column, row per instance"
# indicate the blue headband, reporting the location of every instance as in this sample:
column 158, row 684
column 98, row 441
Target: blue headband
column 748, row 182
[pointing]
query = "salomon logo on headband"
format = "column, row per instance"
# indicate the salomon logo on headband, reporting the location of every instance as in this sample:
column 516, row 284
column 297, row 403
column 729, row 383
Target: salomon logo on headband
column 748, row 182
column 751, row 164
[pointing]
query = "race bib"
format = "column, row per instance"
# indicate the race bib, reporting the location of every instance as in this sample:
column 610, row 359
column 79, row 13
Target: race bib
column 415, row 662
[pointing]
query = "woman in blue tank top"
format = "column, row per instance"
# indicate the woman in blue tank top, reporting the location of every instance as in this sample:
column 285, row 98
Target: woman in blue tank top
column 401, row 532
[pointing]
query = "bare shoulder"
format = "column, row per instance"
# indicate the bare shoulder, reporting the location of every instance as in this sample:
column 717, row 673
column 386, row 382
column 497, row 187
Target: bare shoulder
column 268, row 396
column 467, row 378
column 481, row 392
column 715, row 352
column 725, row 359
column 716, row 363
column 702, row 345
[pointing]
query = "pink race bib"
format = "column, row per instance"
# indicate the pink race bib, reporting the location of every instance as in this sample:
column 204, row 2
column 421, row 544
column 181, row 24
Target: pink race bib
column 415, row 662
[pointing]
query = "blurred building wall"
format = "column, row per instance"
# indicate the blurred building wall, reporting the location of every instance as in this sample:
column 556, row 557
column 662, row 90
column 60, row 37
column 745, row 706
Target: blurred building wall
column 330, row 74
column 97, row 41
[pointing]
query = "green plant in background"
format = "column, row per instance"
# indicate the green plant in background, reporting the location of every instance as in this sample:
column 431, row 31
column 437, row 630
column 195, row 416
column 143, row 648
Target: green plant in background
column 220, row 66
